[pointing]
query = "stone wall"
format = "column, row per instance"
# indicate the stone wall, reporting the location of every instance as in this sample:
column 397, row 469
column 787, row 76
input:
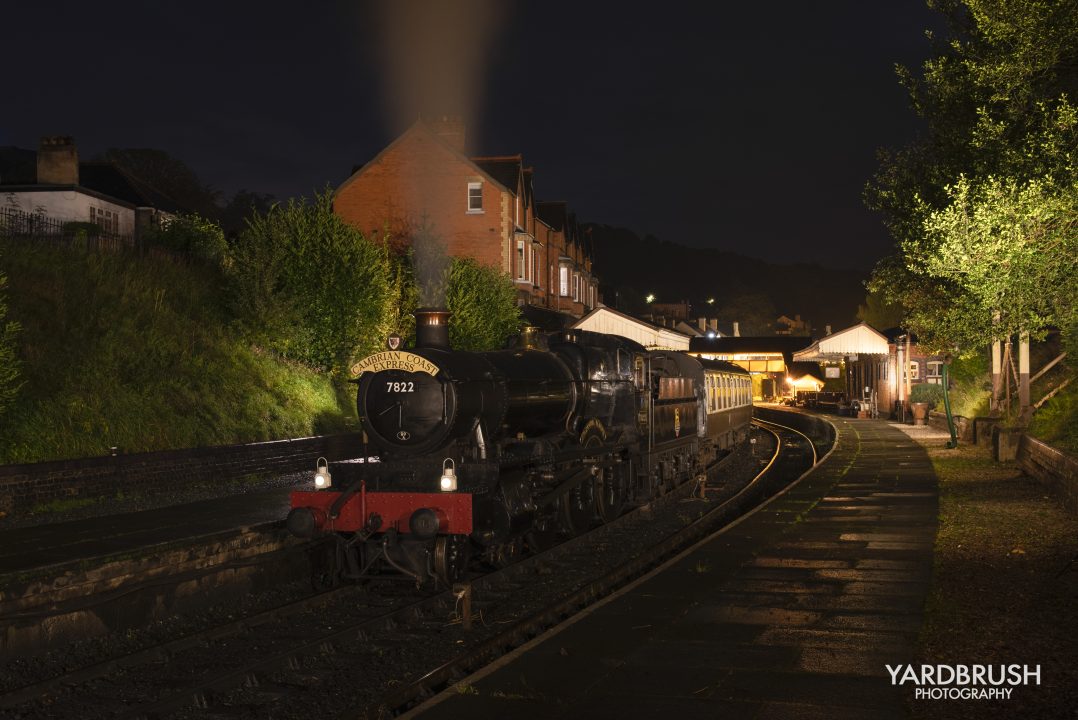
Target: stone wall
column 25, row 486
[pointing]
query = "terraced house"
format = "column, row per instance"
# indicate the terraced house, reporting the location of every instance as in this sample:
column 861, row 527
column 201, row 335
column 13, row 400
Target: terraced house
column 481, row 207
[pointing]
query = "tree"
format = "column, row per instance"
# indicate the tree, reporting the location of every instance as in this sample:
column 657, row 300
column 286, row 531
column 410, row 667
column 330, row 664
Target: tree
column 878, row 312
column 1010, row 253
column 243, row 206
column 1001, row 141
column 311, row 287
column 754, row 314
column 161, row 175
column 483, row 303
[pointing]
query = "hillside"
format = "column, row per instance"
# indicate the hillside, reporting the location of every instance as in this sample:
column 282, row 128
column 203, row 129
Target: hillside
column 630, row 267
column 139, row 353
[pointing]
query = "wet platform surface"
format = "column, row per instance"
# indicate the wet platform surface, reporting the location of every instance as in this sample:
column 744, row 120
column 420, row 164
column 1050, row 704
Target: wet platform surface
column 27, row 548
column 792, row 613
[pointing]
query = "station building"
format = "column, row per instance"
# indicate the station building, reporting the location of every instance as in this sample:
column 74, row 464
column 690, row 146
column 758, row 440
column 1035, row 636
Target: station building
column 481, row 207
column 767, row 358
column 877, row 367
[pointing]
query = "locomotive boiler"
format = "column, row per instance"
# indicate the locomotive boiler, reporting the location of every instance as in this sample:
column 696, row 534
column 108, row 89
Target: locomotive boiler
column 495, row 453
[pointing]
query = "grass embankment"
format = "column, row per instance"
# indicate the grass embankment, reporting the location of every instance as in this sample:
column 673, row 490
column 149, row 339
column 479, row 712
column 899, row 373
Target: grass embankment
column 1056, row 423
column 1005, row 586
column 139, row 352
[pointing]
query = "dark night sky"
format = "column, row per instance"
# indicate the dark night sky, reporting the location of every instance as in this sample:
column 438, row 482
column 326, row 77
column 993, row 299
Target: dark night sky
column 749, row 127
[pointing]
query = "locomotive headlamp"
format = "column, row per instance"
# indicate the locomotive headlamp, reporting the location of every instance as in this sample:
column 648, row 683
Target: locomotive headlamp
column 322, row 478
column 449, row 476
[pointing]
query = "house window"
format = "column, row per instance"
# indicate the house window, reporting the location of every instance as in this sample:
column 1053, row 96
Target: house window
column 521, row 273
column 475, row 197
column 564, row 277
column 934, row 371
column 107, row 220
column 576, row 288
column 914, row 370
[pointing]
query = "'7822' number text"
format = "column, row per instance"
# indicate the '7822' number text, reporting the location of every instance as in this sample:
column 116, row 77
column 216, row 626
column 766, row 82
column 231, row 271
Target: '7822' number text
column 400, row 387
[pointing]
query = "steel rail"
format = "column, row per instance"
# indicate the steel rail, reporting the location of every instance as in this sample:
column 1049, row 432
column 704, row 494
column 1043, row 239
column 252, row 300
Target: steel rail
column 405, row 697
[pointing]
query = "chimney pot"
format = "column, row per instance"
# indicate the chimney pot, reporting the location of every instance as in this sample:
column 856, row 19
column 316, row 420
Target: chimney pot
column 737, row 331
column 702, row 322
column 432, row 328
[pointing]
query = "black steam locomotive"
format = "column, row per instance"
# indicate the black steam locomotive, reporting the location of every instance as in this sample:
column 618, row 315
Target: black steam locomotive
column 499, row 452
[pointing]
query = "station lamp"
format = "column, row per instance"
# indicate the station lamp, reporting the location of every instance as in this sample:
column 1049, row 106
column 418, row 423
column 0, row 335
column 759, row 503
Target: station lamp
column 449, row 476
column 650, row 298
column 322, row 478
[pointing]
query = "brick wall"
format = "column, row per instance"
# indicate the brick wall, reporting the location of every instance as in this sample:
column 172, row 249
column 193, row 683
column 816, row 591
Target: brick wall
column 1054, row 468
column 24, row 486
column 420, row 179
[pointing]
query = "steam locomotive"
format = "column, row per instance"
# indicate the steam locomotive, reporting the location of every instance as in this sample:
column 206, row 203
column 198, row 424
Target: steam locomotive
column 502, row 452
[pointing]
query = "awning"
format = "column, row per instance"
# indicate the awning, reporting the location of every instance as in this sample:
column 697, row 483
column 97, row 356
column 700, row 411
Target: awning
column 855, row 341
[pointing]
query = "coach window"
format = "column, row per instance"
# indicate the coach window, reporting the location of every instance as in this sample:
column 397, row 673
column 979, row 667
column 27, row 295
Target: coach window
column 475, row 197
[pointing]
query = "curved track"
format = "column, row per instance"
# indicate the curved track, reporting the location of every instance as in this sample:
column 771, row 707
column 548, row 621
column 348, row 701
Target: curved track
column 289, row 654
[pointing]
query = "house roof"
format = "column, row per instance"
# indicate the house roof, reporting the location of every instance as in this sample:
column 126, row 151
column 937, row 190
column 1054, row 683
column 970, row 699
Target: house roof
column 506, row 170
column 420, row 126
column 110, row 180
column 546, row 319
column 554, row 213
column 18, row 167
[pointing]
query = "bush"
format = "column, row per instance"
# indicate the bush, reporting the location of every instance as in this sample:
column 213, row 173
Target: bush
column 82, row 229
column 483, row 302
column 192, row 235
column 9, row 361
column 926, row 393
column 971, row 385
column 311, row 287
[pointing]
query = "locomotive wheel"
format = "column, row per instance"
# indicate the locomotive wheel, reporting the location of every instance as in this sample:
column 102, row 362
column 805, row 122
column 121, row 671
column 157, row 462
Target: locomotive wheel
column 578, row 508
column 326, row 566
column 611, row 489
column 450, row 558
column 506, row 553
column 611, row 492
column 543, row 535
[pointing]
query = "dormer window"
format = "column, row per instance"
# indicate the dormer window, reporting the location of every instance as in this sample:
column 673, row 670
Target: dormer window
column 475, row 197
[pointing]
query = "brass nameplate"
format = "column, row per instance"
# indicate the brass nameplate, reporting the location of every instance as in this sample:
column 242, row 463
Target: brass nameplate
column 394, row 360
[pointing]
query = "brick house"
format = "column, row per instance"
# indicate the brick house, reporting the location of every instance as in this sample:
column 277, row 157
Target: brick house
column 481, row 207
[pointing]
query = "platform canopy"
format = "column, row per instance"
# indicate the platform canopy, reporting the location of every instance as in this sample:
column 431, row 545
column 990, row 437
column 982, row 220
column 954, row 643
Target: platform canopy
column 607, row 320
column 851, row 342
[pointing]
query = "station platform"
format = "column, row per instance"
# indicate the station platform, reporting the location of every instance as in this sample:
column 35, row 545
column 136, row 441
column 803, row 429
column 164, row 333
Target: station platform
column 50, row 544
column 792, row 613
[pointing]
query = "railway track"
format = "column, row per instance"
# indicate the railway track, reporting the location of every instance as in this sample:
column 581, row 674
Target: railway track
column 384, row 647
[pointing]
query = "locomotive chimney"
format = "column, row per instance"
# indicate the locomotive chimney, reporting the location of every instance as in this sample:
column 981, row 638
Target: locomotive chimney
column 432, row 328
